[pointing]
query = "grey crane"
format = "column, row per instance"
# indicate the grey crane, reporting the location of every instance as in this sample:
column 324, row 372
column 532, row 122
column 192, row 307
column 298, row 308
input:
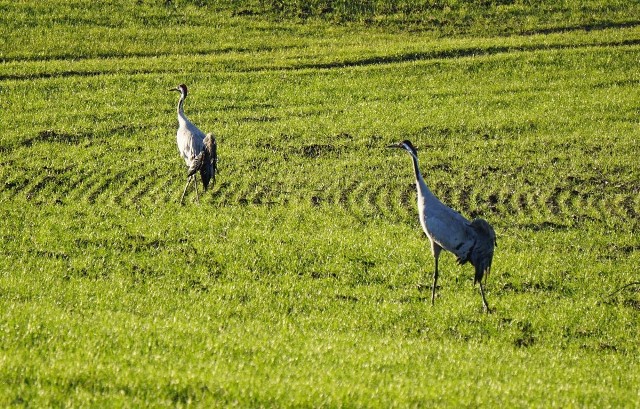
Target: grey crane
column 198, row 150
column 447, row 229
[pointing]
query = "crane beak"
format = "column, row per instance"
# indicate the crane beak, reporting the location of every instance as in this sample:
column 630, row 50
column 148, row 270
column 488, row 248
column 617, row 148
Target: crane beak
column 174, row 89
column 395, row 145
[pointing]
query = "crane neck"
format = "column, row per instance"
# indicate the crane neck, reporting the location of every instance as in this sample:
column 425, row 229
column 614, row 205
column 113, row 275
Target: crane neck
column 420, row 183
column 181, row 115
column 416, row 169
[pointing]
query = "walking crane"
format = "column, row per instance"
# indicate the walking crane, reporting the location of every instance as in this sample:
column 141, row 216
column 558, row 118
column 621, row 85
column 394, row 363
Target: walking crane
column 447, row 229
column 198, row 150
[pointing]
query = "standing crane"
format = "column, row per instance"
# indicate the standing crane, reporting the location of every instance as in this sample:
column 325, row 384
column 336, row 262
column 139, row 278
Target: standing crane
column 447, row 229
column 198, row 150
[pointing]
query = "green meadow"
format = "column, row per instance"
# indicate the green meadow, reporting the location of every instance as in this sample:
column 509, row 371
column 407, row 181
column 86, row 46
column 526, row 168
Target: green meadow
column 302, row 279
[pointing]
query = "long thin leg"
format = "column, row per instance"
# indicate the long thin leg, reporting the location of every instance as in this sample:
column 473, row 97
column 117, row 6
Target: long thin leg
column 435, row 282
column 185, row 189
column 436, row 254
column 196, row 186
column 484, row 300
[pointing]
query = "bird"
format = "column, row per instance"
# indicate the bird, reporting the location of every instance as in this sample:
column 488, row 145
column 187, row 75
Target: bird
column 470, row 241
column 198, row 150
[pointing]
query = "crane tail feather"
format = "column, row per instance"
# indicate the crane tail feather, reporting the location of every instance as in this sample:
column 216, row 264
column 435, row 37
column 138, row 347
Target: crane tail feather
column 209, row 164
column 482, row 254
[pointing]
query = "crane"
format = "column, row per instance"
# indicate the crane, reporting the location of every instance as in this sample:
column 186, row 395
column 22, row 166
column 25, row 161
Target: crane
column 447, row 229
column 198, row 150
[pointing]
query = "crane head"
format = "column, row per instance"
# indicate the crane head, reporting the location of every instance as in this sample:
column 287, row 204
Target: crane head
column 181, row 89
column 407, row 146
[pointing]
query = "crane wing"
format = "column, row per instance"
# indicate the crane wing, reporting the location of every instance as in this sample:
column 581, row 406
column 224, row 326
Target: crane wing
column 196, row 164
column 450, row 230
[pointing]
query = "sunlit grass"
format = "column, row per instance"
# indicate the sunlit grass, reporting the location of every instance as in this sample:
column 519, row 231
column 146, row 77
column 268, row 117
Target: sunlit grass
column 299, row 280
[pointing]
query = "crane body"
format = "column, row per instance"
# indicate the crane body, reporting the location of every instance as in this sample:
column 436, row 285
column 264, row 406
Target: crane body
column 198, row 150
column 447, row 229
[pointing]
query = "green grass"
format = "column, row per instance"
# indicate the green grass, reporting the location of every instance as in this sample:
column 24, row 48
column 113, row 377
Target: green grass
column 299, row 280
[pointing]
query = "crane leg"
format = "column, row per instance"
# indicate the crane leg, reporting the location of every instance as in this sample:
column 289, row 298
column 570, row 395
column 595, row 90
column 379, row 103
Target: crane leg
column 196, row 186
column 485, row 305
column 436, row 254
column 435, row 282
column 185, row 189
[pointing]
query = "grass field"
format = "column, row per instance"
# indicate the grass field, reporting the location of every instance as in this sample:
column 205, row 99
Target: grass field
column 302, row 279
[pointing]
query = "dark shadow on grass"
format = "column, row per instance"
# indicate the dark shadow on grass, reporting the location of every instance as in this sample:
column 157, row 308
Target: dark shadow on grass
column 604, row 25
column 546, row 225
column 68, row 138
column 451, row 54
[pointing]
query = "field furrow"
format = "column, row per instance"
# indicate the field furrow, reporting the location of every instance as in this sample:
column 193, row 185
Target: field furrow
column 378, row 198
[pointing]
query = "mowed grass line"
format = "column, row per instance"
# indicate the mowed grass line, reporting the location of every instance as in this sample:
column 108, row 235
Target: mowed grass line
column 299, row 280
